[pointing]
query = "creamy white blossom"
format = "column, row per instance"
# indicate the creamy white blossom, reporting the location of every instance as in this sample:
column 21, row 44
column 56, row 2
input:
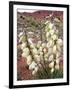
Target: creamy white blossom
column 38, row 44
column 26, row 50
column 37, row 58
column 20, row 39
column 46, row 59
column 50, row 43
column 60, row 42
column 29, row 59
column 32, row 46
column 51, row 57
column 58, row 54
column 33, row 72
column 46, row 55
column 30, row 40
column 45, row 50
column 46, row 22
column 23, row 45
column 35, row 51
column 59, row 48
column 52, row 70
column 57, row 66
column 54, row 37
column 51, row 25
column 36, row 68
column 51, row 32
column 54, row 49
column 51, row 64
column 25, row 54
column 40, row 49
column 50, row 51
column 43, row 45
column 47, row 34
column 57, row 60
column 20, row 34
column 32, row 65
column 41, row 53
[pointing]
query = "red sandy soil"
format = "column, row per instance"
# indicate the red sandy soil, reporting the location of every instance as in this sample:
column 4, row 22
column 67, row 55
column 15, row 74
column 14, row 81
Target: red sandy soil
column 40, row 15
column 24, row 73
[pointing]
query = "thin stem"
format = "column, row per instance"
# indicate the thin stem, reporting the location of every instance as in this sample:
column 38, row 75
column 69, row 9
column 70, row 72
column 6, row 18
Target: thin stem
column 28, row 45
column 43, row 52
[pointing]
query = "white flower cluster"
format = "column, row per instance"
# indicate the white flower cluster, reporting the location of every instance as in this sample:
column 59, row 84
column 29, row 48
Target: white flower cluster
column 37, row 52
column 49, row 51
column 54, row 44
column 26, row 53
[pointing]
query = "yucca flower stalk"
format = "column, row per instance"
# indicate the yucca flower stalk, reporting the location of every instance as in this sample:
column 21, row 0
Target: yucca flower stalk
column 54, row 44
column 45, row 53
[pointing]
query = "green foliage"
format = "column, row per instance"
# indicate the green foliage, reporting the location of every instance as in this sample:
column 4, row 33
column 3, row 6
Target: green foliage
column 41, row 74
column 58, row 74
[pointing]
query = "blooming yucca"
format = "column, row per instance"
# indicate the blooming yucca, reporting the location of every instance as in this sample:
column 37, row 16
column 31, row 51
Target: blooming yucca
column 41, row 53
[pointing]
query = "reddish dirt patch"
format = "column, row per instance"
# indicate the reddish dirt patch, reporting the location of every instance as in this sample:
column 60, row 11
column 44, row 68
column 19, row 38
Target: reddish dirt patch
column 23, row 72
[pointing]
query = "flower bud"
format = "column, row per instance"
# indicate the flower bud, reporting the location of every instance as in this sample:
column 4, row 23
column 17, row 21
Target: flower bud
column 46, row 59
column 33, row 72
column 47, row 34
column 52, row 70
column 50, row 25
column 23, row 45
column 50, row 51
column 46, row 55
column 32, row 65
column 20, row 34
column 26, row 51
column 43, row 45
column 50, row 43
column 46, row 22
column 36, row 69
column 20, row 39
column 54, row 37
column 38, row 44
column 51, row 57
column 57, row 60
column 60, row 42
column 45, row 50
column 37, row 58
column 54, row 49
column 24, row 54
column 59, row 48
column 29, row 58
column 35, row 51
column 57, row 66
column 41, row 53
column 51, row 32
column 32, row 46
column 51, row 65
column 58, row 54
column 40, row 49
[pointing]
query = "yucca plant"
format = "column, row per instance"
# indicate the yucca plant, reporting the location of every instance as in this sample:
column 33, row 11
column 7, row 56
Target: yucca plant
column 43, row 57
